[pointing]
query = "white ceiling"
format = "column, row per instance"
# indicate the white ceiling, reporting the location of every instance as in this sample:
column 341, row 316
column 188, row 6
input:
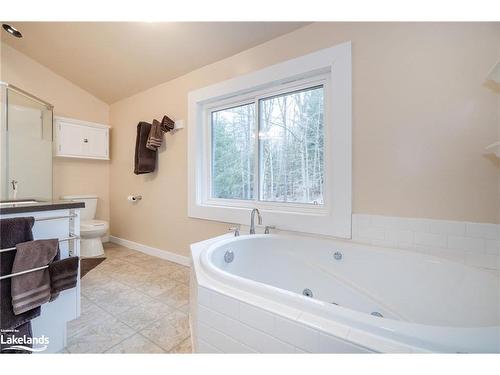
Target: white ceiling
column 113, row 60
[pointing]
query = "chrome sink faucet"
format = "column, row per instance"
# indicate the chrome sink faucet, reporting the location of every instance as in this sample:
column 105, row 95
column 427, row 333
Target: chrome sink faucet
column 252, row 220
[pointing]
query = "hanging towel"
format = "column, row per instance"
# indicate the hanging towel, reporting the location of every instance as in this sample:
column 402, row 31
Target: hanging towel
column 155, row 136
column 12, row 232
column 167, row 124
column 32, row 289
column 145, row 159
column 63, row 275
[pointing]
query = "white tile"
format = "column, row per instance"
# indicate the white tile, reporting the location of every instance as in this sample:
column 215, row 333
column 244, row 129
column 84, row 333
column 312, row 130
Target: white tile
column 466, row 244
column 220, row 341
column 206, row 348
column 297, row 334
column 415, row 225
column 446, row 227
column 372, row 233
column 204, row 296
column 256, row 317
column 220, row 322
column 204, row 314
column 300, row 351
column 204, row 332
column 331, row 344
column 386, row 222
column 224, row 304
column 361, row 221
column 492, row 247
column 482, row 230
column 430, row 239
column 388, row 241
column 262, row 342
column 405, row 237
column 324, row 325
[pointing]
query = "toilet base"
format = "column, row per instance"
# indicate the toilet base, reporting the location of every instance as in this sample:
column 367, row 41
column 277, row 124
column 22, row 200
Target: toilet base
column 91, row 247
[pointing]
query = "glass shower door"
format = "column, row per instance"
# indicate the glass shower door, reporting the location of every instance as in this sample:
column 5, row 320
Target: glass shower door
column 26, row 148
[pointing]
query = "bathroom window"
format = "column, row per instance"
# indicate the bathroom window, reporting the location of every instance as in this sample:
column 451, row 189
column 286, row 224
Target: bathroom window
column 233, row 152
column 278, row 139
column 271, row 149
column 291, row 145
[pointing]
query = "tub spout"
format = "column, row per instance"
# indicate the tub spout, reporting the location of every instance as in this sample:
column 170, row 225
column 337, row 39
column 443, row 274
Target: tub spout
column 252, row 220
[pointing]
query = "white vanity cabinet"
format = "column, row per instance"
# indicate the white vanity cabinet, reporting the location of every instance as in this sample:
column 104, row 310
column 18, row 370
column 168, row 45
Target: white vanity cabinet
column 81, row 139
column 62, row 224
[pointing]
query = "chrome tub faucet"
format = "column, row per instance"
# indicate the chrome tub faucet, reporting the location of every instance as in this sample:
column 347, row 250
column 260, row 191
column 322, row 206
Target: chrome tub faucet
column 252, row 220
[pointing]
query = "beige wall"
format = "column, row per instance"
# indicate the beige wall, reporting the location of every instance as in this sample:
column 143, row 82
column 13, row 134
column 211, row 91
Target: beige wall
column 71, row 176
column 421, row 119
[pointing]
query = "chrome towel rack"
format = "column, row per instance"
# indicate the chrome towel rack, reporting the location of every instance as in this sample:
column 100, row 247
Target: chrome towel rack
column 70, row 238
column 56, row 217
column 23, row 272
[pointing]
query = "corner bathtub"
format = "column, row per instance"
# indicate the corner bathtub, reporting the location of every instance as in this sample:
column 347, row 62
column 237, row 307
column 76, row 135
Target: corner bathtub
column 276, row 293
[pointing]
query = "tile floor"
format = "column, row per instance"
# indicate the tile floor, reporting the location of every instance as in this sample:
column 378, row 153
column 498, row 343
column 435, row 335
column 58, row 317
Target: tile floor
column 132, row 303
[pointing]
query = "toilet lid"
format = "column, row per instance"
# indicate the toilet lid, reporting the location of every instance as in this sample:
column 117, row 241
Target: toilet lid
column 88, row 225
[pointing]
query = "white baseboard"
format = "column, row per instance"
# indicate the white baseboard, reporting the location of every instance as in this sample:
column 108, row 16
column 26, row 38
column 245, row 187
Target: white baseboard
column 153, row 251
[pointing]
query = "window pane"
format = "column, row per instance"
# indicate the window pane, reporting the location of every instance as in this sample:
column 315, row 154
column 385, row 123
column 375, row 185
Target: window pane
column 233, row 152
column 291, row 149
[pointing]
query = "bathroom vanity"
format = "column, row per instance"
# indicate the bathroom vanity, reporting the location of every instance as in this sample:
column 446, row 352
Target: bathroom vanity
column 54, row 219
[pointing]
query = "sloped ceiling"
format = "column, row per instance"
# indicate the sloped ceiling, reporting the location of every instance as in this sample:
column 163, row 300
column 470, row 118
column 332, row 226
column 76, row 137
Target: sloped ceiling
column 113, row 60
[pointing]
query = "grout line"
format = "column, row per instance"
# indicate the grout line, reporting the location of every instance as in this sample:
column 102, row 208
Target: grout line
column 135, row 331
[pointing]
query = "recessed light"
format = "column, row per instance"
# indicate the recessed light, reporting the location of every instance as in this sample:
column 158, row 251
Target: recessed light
column 12, row 30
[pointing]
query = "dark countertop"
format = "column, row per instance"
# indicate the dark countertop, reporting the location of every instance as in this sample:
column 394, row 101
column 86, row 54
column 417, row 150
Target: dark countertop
column 13, row 208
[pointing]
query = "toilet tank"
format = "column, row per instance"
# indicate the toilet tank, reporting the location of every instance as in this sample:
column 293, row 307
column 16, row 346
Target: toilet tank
column 88, row 212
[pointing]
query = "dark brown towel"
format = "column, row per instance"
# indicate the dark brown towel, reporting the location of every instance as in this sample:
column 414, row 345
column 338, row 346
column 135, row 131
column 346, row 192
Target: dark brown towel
column 63, row 275
column 167, row 124
column 155, row 136
column 145, row 159
column 12, row 232
column 32, row 289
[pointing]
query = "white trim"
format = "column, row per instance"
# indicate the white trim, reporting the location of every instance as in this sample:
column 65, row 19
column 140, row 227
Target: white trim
column 153, row 251
column 335, row 63
column 81, row 122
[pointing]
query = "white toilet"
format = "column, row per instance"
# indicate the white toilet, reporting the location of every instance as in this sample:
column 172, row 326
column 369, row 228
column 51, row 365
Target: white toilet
column 91, row 230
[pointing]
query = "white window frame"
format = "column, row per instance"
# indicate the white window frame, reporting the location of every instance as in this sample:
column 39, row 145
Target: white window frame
column 331, row 67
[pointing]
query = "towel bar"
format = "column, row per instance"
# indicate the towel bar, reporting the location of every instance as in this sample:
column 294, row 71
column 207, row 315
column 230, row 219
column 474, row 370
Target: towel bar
column 23, row 272
column 70, row 238
column 55, row 217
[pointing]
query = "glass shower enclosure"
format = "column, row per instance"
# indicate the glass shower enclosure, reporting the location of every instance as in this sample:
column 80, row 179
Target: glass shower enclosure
column 25, row 146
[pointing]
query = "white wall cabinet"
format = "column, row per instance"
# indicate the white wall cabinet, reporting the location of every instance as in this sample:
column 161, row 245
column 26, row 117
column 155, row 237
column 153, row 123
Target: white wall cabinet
column 81, row 139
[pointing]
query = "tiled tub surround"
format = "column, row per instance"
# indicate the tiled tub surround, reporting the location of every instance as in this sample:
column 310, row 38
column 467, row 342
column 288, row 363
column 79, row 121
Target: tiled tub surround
column 475, row 244
column 255, row 302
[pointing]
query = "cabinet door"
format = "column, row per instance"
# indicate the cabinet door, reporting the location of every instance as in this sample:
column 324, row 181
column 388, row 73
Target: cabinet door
column 82, row 141
column 96, row 142
column 70, row 139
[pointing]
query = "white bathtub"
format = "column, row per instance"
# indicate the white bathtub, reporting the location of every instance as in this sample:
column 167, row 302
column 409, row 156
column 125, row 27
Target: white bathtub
column 256, row 303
